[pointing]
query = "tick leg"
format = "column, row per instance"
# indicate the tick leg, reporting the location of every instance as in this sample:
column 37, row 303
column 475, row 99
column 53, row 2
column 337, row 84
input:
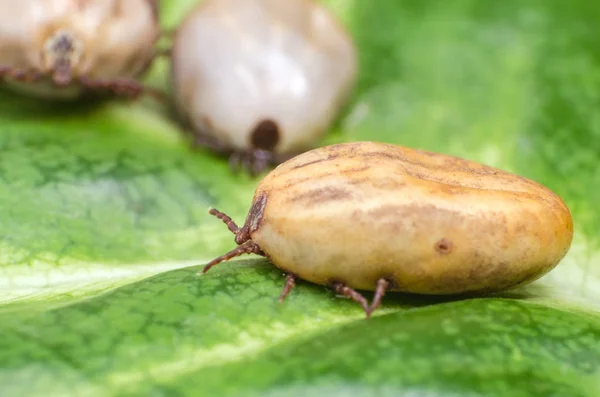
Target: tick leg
column 247, row 248
column 19, row 74
column 231, row 225
column 253, row 161
column 290, row 282
column 342, row 289
column 382, row 285
column 122, row 87
column 202, row 139
column 235, row 162
column 262, row 159
column 250, row 165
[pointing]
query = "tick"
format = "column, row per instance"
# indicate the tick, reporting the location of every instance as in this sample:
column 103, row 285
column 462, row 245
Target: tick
column 380, row 217
column 260, row 80
column 60, row 49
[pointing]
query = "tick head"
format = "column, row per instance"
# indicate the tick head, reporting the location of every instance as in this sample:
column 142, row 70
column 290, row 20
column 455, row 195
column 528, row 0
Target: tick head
column 254, row 218
column 61, row 55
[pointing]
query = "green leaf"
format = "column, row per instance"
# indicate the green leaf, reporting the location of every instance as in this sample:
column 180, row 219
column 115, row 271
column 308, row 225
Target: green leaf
column 104, row 223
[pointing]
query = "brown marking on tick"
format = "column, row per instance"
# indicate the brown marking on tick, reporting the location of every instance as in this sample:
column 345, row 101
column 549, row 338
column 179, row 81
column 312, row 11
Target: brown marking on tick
column 450, row 190
column 382, row 155
column 355, row 170
column 384, row 211
column 425, row 153
column 427, row 166
column 521, row 228
column 480, row 267
column 345, row 149
column 387, row 183
column 265, row 135
column 480, row 272
column 455, row 163
column 322, row 195
column 302, row 165
column 404, row 159
column 384, row 183
column 323, row 174
column 451, row 169
column 508, row 279
column 321, row 160
column 444, row 246
column 359, row 181
column 297, row 181
column 257, row 211
column 445, row 163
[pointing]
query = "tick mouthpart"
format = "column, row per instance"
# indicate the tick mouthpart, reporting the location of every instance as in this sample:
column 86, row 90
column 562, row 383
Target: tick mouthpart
column 62, row 73
column 265, row 135
column 242, row 238
column 62, row 53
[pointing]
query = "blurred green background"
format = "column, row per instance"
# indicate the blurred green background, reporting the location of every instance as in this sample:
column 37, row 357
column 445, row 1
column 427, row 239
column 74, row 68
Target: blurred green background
column 104, row 224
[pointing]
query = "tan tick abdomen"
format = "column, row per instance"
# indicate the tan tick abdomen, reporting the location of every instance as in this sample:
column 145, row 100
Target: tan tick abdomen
column 429, row 223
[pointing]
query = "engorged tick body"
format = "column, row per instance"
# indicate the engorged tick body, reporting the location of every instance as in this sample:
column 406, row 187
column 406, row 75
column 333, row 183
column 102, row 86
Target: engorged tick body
column 62, row 48
column 261, row 80
column 380, row 217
